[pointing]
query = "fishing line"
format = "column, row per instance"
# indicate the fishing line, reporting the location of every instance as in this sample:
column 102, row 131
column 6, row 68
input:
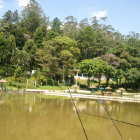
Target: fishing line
column 114, row 123
column 112, row 119
column 78, row 115
column 109, row 118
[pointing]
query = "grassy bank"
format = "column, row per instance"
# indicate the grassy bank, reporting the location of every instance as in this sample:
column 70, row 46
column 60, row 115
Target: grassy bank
column 51, row 97
column 12, row 85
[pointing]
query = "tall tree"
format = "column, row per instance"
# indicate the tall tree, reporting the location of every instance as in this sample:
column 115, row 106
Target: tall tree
column 86, row 42
column 11, row 17
column 83, row 23
column 3, row 49
column 30, row 48
column 56, row 25
column 109, row 73
column 33, row 17
column 94, row 67
column 8, row 16
column 39, row 36
column 70, row 27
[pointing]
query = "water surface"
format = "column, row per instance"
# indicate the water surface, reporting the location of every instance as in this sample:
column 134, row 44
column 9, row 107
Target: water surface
column 37, row 117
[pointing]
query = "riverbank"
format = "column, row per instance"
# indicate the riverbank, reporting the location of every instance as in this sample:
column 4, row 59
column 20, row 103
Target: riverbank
column 135, row 98
column 96, row 97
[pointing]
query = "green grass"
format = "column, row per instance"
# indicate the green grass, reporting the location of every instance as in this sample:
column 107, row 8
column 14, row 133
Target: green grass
column 14, row 86
column 41, row 87
column 51, row 96
column 54, row 87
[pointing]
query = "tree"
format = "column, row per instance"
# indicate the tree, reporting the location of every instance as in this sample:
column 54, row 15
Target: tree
column 30, row 48
column 67, row 61
column 3, row 49
column 38, row 37
column 133, row 75
column 33, row 17
column 18, row 33
column 119, row 75
column 83, row 23
column 86, row 41
column 11, row 49
column 109, row 73
column 11, row 17
column 66, row 45
column 99, row 68
column 58, row 55
column 28, row 43
column 87, row 67
column 7, row 53
column 111, row 60
column 18, row 74
column 10, row 25
column 95, row 67
column 16, row 17
column 47, row 60
column 8, row 16
column 56, row 25
column 70, row 27
column 95, row 24
column 133, row 42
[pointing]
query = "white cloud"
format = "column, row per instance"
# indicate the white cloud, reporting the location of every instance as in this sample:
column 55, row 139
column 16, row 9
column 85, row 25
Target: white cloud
column 23, row 3
column 1, row 6
column 99, row 14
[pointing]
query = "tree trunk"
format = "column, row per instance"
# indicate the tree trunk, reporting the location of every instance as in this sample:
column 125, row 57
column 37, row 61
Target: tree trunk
column 99, row 81
column 107, row 81
column 120, row 81
column 35, row 83
column 117, row 83
column 63, row 79
column 27, row 84
column 125, row 82
column 88, row 82
column 58, row 82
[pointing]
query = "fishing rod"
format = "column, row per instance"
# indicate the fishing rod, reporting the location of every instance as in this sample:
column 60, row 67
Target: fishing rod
column 78, row 115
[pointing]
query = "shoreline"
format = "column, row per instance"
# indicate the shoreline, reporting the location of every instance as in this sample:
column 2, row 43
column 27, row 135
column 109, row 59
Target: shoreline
column 76, row 95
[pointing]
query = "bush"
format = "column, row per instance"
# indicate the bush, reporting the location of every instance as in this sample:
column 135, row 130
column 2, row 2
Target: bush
column 50, row 81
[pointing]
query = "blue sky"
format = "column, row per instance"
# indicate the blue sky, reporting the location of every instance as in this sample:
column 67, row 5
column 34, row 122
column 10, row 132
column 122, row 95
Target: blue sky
column 123, row 15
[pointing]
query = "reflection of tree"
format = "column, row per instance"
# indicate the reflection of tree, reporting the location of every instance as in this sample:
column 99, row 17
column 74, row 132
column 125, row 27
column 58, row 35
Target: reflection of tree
column 56, row 117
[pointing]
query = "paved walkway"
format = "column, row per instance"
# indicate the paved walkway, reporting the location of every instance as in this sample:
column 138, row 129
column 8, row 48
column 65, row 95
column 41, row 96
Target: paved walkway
column 98, row 97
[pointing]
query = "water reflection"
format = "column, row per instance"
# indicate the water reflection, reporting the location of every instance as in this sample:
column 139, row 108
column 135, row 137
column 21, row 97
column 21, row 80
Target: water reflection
column 128, row 112
column 34, row 117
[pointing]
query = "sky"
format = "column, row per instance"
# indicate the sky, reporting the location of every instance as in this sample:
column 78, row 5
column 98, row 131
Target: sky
column 123, row 15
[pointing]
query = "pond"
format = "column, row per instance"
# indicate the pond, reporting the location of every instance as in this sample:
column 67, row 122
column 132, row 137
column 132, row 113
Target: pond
column 40, row 117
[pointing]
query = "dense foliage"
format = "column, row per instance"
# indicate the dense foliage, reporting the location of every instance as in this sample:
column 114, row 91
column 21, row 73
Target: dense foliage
column 54, row 49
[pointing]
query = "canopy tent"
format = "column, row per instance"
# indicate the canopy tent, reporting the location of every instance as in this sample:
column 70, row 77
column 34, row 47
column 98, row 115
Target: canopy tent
column 75, row 88
column 122, row 89
column 101, row 88
column 108, row 88
column 93, row 87
column 2, row 81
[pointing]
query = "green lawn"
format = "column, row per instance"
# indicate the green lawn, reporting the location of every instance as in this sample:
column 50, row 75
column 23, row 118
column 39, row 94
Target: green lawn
column 54, row 87
column 51, row 97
